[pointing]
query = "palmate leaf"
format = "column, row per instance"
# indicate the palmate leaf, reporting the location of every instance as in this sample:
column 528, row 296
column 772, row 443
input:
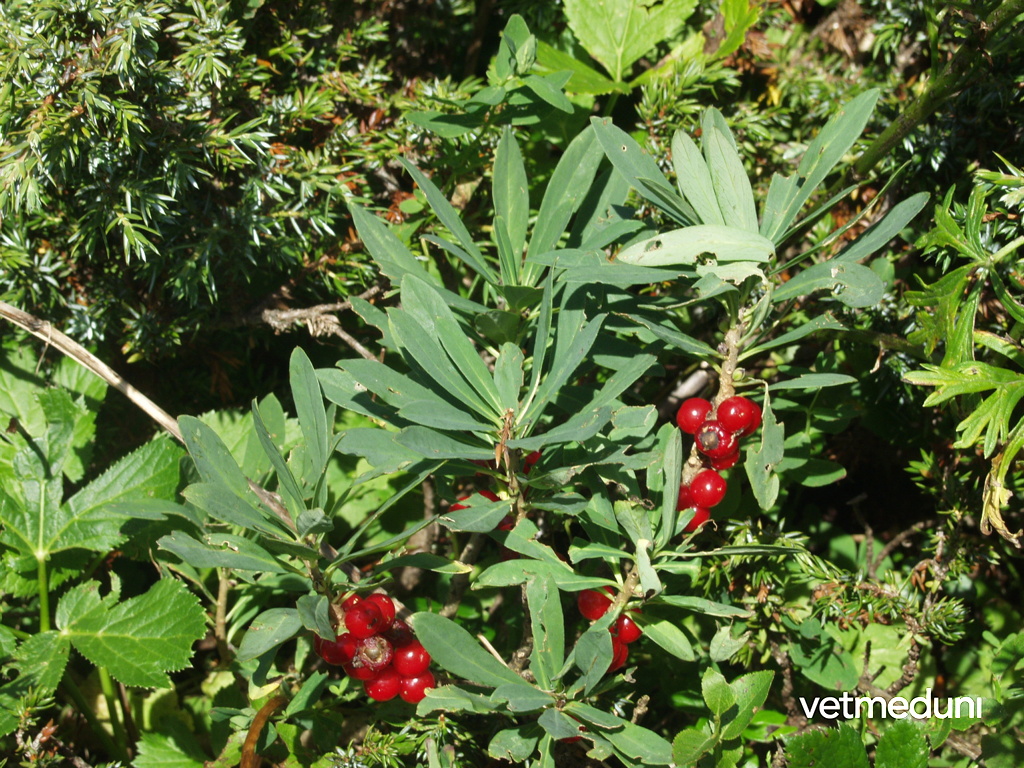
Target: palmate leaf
column 40, row 662
column 38, row 525
column 139, row 640
column 618, row 32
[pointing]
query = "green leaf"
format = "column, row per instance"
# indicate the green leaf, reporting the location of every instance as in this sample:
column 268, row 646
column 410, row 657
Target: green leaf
column 514, row 744
column 686, row 245
column 479, row 515
column 549, row 89
column 437, row 445
column 760, row 464
column 694, row 179
column 40, row 662
column 548, row 627
column 425, row 304
column 222, row 551
column 641, row 170
column 885, row 229
column 641, row 745
column 903, row 745
column 512, row 572
column 457, row 652
column 813, row 381
column 716, row 691
column 836, row 748
column 446, row 215
column 139, row 640
column 708, row 607
column 690, row 745
column 511, row 192
column 559, row 724
column 449, row 698
column 750, row 691
column 508, row 375
column 670, row 637
column 212, row 458
column 309, row 407
column 160, row 750
column 852, row 284
column 593, row 653
column 619, row 32
column 786, row 196
column 293, row 496
column 315, row 614
column 221, row 504
column 522, row 698
column 821, row 659
column 585, row 79
column 729, row 178
column 677, row 339
column 269, row 630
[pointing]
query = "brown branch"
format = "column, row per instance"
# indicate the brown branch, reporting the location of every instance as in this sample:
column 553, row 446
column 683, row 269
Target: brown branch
column 460, row 581
column 249, row 757
column 45, row 331
column 789, row 701
column 896, row 541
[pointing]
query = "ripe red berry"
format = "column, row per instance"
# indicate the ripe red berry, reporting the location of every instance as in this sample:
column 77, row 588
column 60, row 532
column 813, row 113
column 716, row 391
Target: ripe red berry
column 351, row 602
column 715, row 441
column 692, row 413
column 384, row 686
column 413, row 689
column 368, row 657
column 411, row 659
column 620, row 653
column 365, row 620
column 685, row 499
column 739, row 414
column 700, row 516
column 338, row 651
column 626, row 630
column 593, row 604
column 529, row 461
column 728, row 461
column 384, row 604
column 707, row 489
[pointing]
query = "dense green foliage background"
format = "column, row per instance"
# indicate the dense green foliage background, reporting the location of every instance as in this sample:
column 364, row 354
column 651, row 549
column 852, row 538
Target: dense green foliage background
column 194, row 189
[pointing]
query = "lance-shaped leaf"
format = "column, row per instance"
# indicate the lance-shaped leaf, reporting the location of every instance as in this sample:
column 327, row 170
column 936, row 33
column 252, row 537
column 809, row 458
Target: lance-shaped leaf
column 731, row 185
column 456, row 651
column 685, row 246
column 139, row 640
column 787, row 195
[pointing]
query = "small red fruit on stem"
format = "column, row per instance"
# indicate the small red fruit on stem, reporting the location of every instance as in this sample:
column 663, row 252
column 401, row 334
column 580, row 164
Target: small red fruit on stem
column 413, row 689
column 740, row 415
column 707, row 489
column 692, row 413
column 593, row 604
column 715, row 441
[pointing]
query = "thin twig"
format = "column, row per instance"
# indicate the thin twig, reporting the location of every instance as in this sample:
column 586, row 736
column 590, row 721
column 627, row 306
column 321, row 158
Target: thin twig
column 493, row 651
column 460, row 581
column 896, row 541
column 45, row 331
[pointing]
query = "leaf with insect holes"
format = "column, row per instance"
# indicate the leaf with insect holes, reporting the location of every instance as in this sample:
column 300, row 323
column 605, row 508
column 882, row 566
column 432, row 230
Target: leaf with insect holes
column 138, row 640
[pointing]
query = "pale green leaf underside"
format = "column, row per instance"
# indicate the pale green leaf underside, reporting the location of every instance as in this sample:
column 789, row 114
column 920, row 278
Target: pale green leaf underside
column 686, row 245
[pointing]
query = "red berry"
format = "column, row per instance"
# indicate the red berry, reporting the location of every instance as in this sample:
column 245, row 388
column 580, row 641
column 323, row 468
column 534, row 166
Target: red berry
column 728, row 461
column 365, row 620
column 398, row 634
column 385, row 605
column 573, row 739
column 351, row 602
column 507, row 523
column 413, row 689
column 626, row 630
column 620, row 653
column 685, row 498
column 700, row 516
column 338, row 651
column 384, row 686
column 411, row 659
column 692, row 413
column 715, row 441
column 593, row 604
column 707, row 489
column 529, row 461
column 358, row 673
column 740, row 415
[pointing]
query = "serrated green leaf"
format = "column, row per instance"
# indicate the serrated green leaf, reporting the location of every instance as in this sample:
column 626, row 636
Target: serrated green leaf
column 40, row 662
column 690, row 745
column 457, row 652
column 716, row 692
column 903, row 745
column 618, row 32
column 138, row 640
column 269, row 630
column 836, row 748
column 750, row 691
column 159, row 750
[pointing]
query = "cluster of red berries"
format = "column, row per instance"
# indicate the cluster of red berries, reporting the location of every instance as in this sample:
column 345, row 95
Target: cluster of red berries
column 718, row 439
column 379, row 650
column 593, row 605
